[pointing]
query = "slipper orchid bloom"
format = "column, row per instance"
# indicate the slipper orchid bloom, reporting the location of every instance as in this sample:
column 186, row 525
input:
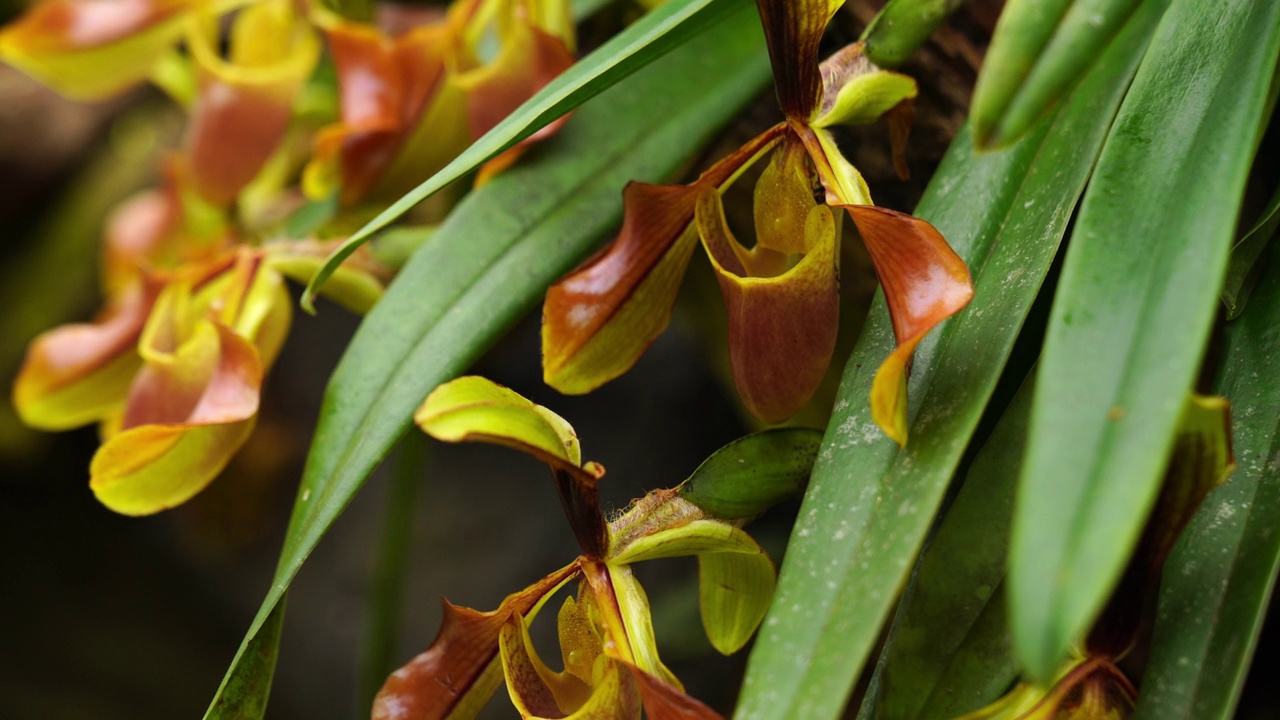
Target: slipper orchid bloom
column 781, row 295
column 412, row 103
column 610, row 658
column 173, row 368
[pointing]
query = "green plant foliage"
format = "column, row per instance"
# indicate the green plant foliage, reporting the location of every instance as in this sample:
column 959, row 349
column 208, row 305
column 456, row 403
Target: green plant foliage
column 902, row 27
column 1244, row 255
column 1041, row 48
column 1222, row 573
column 648, row 39
column 482, row 270
column 951, row 652
column 754, row 473
column 1132, row 313
column 869, row 505
column 247, row 686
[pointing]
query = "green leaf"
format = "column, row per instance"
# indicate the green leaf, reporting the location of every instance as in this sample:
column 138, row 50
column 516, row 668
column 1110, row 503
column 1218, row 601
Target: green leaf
column 869, row 505
column 902, row 26
column 654, row 35
column 245, row 689
column 754, row 473
column 951, row 652
column 1245, row 253
column 1040, row 49
column 484, row 268
column 1222, row 572
column 1137, row 297
column 474, row 409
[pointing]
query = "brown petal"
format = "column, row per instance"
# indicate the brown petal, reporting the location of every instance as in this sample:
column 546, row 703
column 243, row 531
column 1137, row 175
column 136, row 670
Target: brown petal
column 456, row 675
column 792, row 30
column 599, row 320
column 924, row 283
column 782, row 329
column 663, row 701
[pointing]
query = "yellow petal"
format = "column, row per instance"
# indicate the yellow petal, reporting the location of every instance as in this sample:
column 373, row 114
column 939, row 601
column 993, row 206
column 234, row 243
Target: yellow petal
column 856, row 92
column 536, row 690
column 150, row 468
column 89, row 50
column 474, row 409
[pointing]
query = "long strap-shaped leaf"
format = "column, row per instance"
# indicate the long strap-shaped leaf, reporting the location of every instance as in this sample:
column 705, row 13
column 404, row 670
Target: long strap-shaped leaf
column 647, row 40
column 869, row 506
column 1132, row 314
column 1220, row 577
column 951, row 652
column 492, row 260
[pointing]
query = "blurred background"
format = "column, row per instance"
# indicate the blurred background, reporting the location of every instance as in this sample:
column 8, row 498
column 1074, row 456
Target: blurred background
column 103, row 616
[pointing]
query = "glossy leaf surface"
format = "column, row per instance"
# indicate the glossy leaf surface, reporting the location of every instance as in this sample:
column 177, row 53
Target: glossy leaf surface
column 1245, row 253
column 1040, row 49
column 482, row 270
column 951, row 651
column 869, row 505
column 1218, row 580
column 1138, row 294
column 902, row 27
column 754, row 473
column 640, row 44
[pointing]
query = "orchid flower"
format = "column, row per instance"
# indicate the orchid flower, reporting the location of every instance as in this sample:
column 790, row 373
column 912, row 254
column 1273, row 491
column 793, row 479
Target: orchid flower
column 411, row 103
column 781, row 295
column 173, row 368
column 610, row 658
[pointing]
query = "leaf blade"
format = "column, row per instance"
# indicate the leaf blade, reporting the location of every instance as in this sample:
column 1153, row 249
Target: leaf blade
column 1115, row 373
column 981, row 204
column 1219, row 579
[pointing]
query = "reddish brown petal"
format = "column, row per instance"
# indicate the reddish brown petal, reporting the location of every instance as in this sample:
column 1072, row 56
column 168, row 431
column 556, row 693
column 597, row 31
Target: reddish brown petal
column 924, row 283
column 663, row 701
column 77, row 374
column 68, row 25
column 530, row 58
column 460, row 670
column 599, row 320
column 782, row 329
column 792, row 30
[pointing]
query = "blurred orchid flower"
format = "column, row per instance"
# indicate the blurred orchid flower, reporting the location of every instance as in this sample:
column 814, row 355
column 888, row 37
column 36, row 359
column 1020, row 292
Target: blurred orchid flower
column 610, row 657
column 245, row 100
column 782, row 294
column 173, row 368
column 1086, row 688
column 411, row 103
column 93, row 49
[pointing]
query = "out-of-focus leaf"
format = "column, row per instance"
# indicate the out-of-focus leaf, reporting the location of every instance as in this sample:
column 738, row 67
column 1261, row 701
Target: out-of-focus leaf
column 491, row 261
column 1138, row 295
column 648, row 39
column 869, row 505
column 1240, row 278
column 951, row 651
column 1040, row 49
column 244, row 692
column 754, row 473
column 902, row 26
column 1222, row 572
